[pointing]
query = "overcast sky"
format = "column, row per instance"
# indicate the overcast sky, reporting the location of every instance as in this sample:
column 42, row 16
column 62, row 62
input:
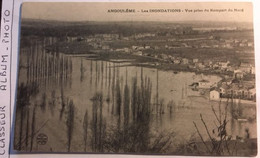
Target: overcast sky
column 98, row 11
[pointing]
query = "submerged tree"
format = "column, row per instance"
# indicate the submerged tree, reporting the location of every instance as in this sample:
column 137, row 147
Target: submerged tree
column 118, row 103
column 70, row 123
column 82, row 70
column 97, row 123
column 23, row 100
column 52, row 102
column 43, row 103
column 134, row 98
column 33, row 127
column 171, row 107
column 63, row 104
column 85, row 129
column 136, row 136
column 27, row 127
column 126, row 109
column 126, row 105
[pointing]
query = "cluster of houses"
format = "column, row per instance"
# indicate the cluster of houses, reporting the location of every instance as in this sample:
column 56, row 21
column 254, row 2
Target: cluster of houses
column 143, row 35
column 196, row 64
column 215, row 42
column 234, row 90
column 225, row 43
column 110, row 37
column 231, row 43
column 233, row 87
column 101, row 41
column 227, row 88
column 204, row 43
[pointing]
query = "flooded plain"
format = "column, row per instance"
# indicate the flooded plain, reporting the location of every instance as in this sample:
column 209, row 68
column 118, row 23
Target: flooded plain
column 77, row 102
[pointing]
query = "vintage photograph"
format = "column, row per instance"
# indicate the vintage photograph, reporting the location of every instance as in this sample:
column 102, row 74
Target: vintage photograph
column 161, row 78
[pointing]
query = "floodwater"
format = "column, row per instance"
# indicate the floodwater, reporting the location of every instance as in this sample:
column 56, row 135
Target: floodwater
column 175, row 107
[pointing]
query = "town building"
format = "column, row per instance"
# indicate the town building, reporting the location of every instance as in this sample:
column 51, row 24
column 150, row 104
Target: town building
column 185, row 61
column 176, row 61
column 252, row 94
column 223, row 65
column 195, row 60
column 238, row 74
column 237, row 90
column 214, row 95
column 105, row 47
column 245, row 67
column 199, row 65
column 252, row 71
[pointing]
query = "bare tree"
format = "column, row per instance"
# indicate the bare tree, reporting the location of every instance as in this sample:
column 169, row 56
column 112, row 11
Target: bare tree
column 85, row 129
column 70, row 123
column 219, row 144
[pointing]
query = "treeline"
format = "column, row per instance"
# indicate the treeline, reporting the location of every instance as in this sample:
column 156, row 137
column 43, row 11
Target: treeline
column 125, row 28
column 83, row 29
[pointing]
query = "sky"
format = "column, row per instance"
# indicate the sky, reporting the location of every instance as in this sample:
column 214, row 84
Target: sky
column 98, row 11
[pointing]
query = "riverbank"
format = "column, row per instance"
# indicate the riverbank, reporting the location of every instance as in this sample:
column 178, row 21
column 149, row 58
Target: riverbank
column 150, row 62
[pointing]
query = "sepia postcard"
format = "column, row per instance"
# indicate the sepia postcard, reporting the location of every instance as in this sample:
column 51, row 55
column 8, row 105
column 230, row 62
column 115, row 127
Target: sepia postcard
column 160, row 78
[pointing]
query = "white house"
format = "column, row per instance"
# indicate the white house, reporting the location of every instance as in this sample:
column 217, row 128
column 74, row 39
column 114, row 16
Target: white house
column 252, row 70
column 214, row 95
column 195, row 60
column 252, row 93
column 134, row 47
column 250, row 44
column 147, row 47
column 176, row 61
column 185, row 61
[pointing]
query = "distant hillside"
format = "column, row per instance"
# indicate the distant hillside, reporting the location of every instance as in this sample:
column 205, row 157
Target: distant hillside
column 61, row 28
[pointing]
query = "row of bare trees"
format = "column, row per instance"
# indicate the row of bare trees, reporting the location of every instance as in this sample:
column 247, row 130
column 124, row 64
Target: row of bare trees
column 41, row 67
column 131, row 110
